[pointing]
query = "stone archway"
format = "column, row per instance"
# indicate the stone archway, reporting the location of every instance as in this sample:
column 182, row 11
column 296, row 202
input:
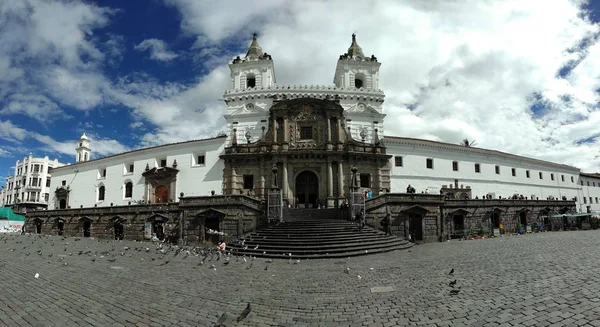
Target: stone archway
column 38, row 225
column 62, row 204
column 307, row 188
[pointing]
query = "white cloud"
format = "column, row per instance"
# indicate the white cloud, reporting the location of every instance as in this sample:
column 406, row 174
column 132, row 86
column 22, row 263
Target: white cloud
column 158, row 49
column 467, row 69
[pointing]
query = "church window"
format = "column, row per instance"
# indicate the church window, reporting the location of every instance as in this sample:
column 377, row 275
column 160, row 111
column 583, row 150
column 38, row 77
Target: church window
column 455, row 165
column 588, row 183
column 358, row 83
column 306, row 133
column 581, row 183
column 101, row 193
column 513, row 171
column 498, row 170
column 477, row 168
column 163, row 162
column 541, row 175
column 527, row 173
column 64, row 183
column 248, row 182
column 85, row 157
column 398, row 161
column 365, row 180
column 562, row 178
column 429, row 163
column 101, row 173
column 250, row 80
column 584, row 200
column 552, row 176
column 46, row 197
column 128, row 189
column 572, row 179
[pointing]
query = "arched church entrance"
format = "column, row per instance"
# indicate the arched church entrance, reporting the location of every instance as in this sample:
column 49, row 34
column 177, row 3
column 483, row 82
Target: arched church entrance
column 62, row 204
column 161, row 194
column 307, row 189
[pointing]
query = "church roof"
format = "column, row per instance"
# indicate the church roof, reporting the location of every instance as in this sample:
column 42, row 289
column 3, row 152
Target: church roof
column 83, row 137
column 254, row 51
column 355, row 50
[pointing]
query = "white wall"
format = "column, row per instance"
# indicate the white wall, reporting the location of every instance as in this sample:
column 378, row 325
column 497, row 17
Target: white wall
column 590, row 188
column 83, row 178
column 415, row 172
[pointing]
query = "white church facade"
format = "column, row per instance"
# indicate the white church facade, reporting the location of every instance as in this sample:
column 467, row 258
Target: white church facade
column 314, row 135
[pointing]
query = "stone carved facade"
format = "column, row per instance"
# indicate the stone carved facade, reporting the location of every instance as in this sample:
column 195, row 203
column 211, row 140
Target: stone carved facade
column 308, row 142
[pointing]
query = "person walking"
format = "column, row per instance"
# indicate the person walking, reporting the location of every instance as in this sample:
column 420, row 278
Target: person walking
column 361, row 220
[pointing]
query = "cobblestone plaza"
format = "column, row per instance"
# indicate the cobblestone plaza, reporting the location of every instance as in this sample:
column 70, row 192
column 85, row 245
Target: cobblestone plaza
column 544, row 279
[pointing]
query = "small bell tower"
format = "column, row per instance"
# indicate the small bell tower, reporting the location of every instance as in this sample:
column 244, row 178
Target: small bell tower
column 83, row 149
column 255, row 70
column 354, row 70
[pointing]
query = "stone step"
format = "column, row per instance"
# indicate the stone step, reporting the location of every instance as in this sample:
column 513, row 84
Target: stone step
column 319, row 247
column 314, row 239
column 322, row 254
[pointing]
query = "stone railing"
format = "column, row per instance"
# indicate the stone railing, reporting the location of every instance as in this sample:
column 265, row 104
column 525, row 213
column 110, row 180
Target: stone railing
column 329, row 89
column 221, row 201
column 404, row 198
column 105, row 210
column 508, row 202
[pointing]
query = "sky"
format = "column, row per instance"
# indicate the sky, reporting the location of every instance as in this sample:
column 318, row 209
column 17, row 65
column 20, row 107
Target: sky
column 516, row 76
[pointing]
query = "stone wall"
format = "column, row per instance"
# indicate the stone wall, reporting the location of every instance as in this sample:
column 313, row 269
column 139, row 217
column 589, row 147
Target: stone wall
column 436, row 214
column 233, row 215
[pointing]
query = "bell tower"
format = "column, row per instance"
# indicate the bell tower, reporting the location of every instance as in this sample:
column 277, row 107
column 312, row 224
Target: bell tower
column 354, row 70
column 255, row 70
column 83, row 149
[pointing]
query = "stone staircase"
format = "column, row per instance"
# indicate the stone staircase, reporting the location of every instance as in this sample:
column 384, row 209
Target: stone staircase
column 313, row 234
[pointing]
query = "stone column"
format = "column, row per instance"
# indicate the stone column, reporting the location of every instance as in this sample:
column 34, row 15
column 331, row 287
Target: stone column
column 232, row 181
column 284, row 182
column 286, row 137
column 274, row 130
column 328, row 130
column 341, row 179
column 340, row 130
column 330, row 199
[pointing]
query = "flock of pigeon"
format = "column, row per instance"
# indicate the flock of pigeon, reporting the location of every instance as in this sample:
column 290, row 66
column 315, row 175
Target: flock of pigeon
column 455, row 290
column 33, row 244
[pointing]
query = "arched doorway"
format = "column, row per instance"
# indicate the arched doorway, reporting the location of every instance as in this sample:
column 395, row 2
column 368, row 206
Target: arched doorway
column 38, row 226
column 119, row 229
column 60, row 227
column 415, row 225
column 307, row 189
column 87, row 228
column 523, row 218
column 161, row 194
column 62, row 204
column 459, row 226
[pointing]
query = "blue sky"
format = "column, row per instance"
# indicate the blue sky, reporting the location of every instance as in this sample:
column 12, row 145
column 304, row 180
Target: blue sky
column 145, row 72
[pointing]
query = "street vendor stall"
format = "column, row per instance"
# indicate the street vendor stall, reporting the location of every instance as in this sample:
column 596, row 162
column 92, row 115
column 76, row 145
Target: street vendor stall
column 10, row 222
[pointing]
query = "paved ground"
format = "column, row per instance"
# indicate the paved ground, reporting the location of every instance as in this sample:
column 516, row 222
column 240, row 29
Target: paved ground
column 549, row 279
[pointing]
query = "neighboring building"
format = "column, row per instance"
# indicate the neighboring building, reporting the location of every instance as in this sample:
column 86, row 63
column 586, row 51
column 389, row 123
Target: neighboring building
column 29, row 187
column 589, row 193
column 151, row 175
column 309, row 141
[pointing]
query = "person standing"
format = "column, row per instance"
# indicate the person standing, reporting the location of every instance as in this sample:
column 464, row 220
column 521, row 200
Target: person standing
column 387, row 222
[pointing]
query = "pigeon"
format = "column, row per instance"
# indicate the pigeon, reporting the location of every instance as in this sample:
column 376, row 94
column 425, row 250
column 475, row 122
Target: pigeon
column 226, row 263
column 452, row 283
column 297, row 261
column 221, row 320
column 454, row 291
column 244, row 313
column 112, row 260
column 347, row 270
column 266, row 267
column 249, row 266
column 451, row 272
